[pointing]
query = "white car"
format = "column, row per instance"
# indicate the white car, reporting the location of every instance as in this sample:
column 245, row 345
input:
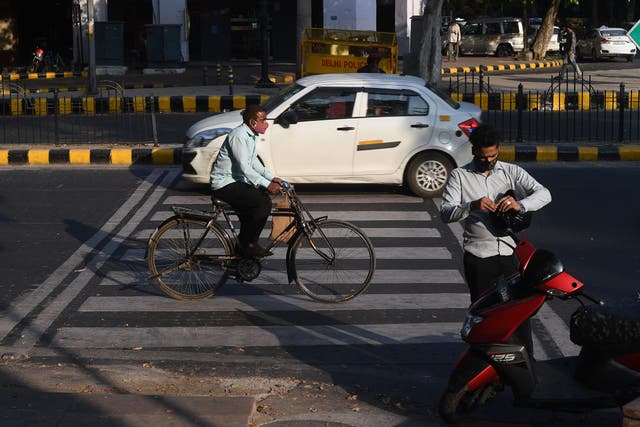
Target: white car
column 350, row 128
column 606, row 42
column 554, row 43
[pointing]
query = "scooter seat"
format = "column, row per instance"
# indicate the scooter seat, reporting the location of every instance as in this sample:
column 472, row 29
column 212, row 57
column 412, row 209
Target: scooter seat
column 614, row 328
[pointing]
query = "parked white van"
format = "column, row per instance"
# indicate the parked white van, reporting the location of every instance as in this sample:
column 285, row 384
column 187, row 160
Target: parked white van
column 493, row 36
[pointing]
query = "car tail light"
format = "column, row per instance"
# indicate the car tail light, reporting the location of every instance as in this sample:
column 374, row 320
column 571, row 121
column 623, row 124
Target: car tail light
column 468, row 126
column 604, row 40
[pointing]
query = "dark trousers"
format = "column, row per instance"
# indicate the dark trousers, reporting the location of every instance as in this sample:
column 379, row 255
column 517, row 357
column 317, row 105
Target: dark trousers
column 253, row 206
column 481, row 273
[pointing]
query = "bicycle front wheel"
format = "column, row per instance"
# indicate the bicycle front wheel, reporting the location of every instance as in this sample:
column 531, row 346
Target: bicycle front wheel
column 335, row 263
column 186, row 266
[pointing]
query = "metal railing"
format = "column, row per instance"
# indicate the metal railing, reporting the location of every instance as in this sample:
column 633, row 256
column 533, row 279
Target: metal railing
column 59, row 118
column 570, row 110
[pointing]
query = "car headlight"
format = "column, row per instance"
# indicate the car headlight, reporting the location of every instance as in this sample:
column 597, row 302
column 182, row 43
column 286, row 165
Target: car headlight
column 469, row 323
column 202, row 139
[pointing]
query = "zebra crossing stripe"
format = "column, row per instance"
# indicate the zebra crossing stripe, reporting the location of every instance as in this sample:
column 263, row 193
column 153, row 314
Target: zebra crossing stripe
column 258, row 336
column 372, row 233
column 279, row 276
column 308, row 198
column 345, row 215
column 280, row 253
column 234, row 303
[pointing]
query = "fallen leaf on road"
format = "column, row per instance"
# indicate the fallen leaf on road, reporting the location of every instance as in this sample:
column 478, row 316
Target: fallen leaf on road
column 352, row 397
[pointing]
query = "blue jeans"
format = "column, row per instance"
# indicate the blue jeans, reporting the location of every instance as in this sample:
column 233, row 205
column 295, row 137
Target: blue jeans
column 570, row 57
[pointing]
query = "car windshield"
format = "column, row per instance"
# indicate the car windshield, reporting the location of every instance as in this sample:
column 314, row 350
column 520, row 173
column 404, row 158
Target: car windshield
column 443, row 95
column 277, row 99
column 613, row 33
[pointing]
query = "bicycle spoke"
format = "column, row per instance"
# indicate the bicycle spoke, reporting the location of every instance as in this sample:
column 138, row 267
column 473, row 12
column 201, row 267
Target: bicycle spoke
column 339, row 277
column 188, row 266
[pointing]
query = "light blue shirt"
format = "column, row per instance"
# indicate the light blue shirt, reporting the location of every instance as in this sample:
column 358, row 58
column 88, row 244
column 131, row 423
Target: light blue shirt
column 466, row 184
column 237, row 161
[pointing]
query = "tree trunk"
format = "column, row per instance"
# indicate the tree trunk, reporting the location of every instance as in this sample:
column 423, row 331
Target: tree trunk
column 430, row 50
column 546, row 31
column 630, row 10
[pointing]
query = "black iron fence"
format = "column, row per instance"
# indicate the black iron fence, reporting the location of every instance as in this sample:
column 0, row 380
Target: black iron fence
column 60, row 118
column 569, row 110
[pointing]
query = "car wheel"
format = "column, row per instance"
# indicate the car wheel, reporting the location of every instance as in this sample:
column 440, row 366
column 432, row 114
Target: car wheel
column 504, row 50
column 630, row 58
column 427, row 174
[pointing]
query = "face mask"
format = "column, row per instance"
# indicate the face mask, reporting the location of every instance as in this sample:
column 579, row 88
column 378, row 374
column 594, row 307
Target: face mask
column 260, row 127
column 485, row 165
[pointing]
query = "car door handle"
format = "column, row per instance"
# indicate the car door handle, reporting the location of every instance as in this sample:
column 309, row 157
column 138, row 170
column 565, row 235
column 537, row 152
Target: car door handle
column 346, row 128
column 420, row 125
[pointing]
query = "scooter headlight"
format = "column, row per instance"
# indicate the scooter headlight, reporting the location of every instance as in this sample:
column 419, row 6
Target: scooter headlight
column 468, row 325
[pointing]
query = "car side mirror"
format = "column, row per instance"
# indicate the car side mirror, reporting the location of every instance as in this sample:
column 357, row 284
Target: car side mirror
column 287, row 118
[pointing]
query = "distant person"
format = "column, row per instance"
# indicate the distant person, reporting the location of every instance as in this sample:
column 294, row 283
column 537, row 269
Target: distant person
column 373, row 64
column 454, row 37
column 568, row 50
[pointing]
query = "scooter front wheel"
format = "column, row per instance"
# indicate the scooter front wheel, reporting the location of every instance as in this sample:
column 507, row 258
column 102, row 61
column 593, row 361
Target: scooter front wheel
column 454, row 405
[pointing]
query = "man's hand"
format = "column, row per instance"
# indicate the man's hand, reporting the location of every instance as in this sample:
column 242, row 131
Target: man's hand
column 483, row 204
column 274, row 186
column 507, row 203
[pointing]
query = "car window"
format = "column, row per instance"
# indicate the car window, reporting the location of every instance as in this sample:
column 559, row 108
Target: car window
column 613, row 33
column 472, row 29
column 511, row 27
column 395, row 103
column 325, row 103
column 277, row 99
column 492, row 28
column 443, row 95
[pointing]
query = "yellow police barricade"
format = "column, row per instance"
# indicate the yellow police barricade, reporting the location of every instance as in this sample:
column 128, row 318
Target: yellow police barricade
column 327, row 50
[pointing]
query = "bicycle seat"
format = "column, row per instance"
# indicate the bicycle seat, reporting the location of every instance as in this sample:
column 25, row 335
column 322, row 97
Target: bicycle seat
column 220, row 203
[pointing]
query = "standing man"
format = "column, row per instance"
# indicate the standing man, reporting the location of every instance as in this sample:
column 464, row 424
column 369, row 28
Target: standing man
column 373, row 63
column 475, row 194
column 240, row 179
column 454, row 37
column 568, row 48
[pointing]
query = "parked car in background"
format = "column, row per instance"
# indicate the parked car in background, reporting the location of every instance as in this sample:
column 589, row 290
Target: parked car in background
column 554, row 43
column 606, row 42
column 350, row 128
column 492, row 36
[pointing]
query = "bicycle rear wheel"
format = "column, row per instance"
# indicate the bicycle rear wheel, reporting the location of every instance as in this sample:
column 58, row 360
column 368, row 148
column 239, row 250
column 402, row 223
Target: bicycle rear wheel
column 182, row 272
column 335, row 264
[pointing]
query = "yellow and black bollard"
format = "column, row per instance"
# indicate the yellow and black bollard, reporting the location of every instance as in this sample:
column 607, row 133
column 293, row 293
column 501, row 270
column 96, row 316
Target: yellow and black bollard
column 230, row 77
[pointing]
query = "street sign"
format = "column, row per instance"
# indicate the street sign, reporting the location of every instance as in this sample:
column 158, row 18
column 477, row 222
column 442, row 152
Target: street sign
column 634, row 34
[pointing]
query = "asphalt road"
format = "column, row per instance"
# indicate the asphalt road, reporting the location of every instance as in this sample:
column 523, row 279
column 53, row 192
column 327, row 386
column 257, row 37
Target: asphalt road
column 74, row 279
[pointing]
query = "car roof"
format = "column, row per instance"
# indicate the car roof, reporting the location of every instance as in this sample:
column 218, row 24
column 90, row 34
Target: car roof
column 367, row 79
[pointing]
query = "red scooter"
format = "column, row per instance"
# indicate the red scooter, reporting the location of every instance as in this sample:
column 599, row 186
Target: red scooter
column 606, row 373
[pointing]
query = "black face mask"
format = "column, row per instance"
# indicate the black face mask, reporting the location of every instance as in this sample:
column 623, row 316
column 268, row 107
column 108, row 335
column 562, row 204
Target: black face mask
column 485, row 165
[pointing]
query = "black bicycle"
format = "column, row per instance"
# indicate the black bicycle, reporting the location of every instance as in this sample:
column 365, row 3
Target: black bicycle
column 192, row 254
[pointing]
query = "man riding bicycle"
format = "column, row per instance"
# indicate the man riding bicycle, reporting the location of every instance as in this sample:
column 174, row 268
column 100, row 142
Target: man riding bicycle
column 240, row 179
